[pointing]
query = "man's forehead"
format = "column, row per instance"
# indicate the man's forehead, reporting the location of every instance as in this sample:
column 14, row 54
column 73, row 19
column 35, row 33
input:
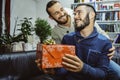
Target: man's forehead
column 81, row 8
column 55, row 7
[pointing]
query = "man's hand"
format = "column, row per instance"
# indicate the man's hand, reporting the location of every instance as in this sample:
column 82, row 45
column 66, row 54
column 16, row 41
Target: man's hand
column 72, row 63
column 37, row 61
column 112, row 52
column 46, row 71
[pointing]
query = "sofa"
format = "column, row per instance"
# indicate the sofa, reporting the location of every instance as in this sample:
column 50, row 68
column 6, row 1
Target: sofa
column 18, row 66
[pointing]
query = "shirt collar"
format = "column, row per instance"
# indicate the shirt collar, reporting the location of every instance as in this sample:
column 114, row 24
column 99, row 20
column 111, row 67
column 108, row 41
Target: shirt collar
column 93, row 34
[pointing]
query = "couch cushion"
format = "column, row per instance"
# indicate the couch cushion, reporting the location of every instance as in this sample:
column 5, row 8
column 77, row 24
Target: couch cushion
column 4, row 64
column 19, row 66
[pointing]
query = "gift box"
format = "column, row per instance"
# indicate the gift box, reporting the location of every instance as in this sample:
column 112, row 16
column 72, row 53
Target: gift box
column 51, row 55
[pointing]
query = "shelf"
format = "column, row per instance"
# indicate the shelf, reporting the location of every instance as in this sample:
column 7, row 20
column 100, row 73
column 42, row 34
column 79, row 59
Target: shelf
column 108, row 22
column 110, row 1
column 108, row 14
column 97, row 2
column 114, row 33
column 112, row 10
column 116, row 45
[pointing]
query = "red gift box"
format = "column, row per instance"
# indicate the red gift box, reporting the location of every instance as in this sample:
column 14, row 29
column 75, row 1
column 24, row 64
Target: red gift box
column 51, row 55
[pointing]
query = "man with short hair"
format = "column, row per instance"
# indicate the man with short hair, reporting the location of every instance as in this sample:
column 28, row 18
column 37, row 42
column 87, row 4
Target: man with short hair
column 65, row 24
column 91, row 61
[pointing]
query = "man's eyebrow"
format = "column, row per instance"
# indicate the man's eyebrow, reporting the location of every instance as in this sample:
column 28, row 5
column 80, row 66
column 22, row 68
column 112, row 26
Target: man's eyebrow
column 78, row 11
column 61, row 8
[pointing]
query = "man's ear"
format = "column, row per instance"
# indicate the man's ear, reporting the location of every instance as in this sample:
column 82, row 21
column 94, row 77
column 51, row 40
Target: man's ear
column 91, row 15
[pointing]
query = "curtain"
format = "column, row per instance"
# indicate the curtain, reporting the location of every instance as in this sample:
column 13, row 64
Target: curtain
column 0, row 17
column 7, row 15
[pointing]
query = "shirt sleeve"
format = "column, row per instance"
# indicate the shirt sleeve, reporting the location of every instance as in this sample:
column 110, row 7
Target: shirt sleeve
column 101, row 70
column 55, row 37
column 98, row 72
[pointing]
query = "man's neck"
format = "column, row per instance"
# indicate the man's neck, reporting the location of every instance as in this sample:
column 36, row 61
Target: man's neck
column 87, row 31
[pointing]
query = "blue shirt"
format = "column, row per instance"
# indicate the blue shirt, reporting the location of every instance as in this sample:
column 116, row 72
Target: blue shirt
column 93, row 51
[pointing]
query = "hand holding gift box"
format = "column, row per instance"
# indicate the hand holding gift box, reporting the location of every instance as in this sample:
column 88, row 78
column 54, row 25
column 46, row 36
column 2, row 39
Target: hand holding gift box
column 51, row 55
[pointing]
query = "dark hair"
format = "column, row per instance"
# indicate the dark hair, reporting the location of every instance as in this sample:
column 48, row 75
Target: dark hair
column 87, row 5
column 50, row 4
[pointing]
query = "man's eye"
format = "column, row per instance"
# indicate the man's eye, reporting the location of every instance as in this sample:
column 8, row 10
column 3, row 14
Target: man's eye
column 78, row 12
column 56, row 13
column 62, row 9
column 74, row 13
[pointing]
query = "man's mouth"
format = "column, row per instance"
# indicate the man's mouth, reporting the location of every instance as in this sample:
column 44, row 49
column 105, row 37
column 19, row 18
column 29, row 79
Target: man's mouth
column 77, row 21
column 62, row 16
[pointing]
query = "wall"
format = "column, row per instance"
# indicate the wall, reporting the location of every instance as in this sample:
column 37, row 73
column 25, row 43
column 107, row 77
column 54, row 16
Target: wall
column 21, row 9
column 32, row 8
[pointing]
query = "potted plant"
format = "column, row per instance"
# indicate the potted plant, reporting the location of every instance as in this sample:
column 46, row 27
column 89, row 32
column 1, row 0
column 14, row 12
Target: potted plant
column 42, row 29
column 25, row 33
column 26, row 28
column 7, row 40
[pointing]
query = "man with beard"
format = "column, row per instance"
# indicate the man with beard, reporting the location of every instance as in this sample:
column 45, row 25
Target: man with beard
column 91, row 61
column 65, row 25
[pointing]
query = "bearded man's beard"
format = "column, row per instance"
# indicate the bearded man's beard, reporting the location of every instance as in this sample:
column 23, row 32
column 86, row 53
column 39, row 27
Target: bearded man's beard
column 86, row 22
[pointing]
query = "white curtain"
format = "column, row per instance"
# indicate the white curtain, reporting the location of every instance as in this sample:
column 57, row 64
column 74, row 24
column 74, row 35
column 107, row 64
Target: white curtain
column 3, row 15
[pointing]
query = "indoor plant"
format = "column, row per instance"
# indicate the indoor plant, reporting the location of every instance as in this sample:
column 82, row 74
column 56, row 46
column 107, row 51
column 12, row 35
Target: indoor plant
column 7, row 40
column 42, row 29
column 26, row 28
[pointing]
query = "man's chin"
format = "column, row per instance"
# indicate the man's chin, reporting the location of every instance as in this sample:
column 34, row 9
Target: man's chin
column 79, row 28
column 62, row 22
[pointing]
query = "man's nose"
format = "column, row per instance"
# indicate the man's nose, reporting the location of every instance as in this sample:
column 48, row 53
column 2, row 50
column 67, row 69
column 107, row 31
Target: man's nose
column 75, row 16
column 62, row 13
